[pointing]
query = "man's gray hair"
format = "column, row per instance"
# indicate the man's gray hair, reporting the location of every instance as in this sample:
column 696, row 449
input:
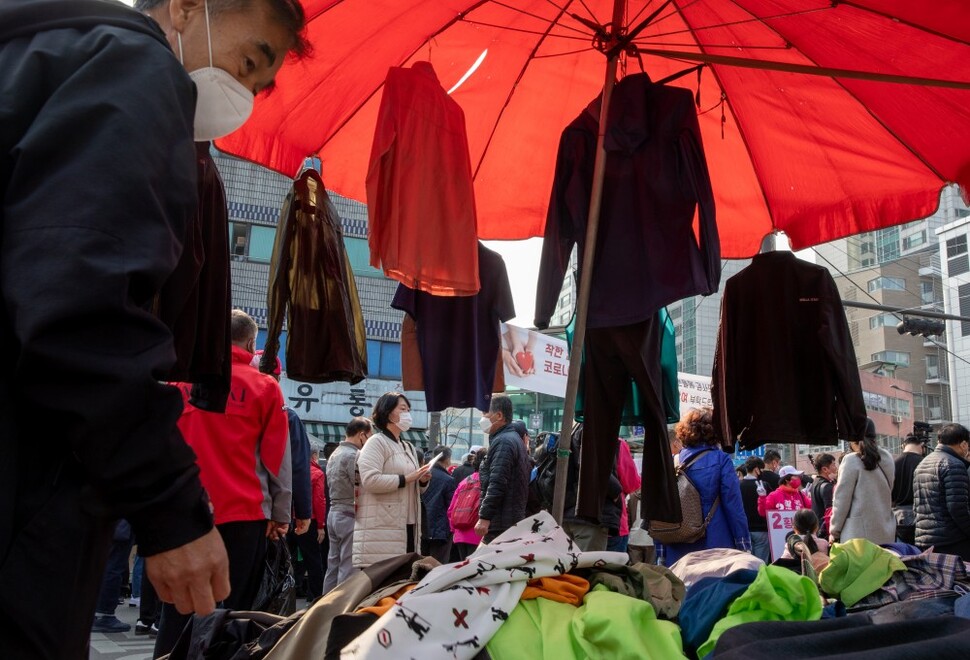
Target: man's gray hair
column 501, row 403
column 242, row 327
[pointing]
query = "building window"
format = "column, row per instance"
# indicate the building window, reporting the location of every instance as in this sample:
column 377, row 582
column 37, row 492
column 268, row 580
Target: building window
column 238, row 239
column 383, row 359
column 261, row 243
column 963, row 291
column 914, row 240
column 932, row 367
column 956, row 246
column 888, row 283
column 927, row 293
column 934, row 407
column 898, row 358
column 882, row 320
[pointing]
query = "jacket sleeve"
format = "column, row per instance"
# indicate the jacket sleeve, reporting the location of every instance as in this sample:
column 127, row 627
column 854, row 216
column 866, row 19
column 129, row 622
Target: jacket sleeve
column 833, row 334
column 274, row 453
column 842, row 496
column 956, row 493
column 300, row 455
column 278, row 291
column 370, row 463
column 763, row 506
column 99, row 188
column 568, row 207
column 725, row 377
column 694, row 164
column 499, row 470
column 380, row 192
column 730, row 492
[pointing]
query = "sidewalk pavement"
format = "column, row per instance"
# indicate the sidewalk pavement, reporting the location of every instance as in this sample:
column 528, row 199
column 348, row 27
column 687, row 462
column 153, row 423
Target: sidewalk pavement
column 122, row 646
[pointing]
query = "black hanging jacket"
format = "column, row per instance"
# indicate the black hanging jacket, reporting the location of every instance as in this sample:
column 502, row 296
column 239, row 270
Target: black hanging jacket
column 784, row 367
column 312, row 284
column 647, row 255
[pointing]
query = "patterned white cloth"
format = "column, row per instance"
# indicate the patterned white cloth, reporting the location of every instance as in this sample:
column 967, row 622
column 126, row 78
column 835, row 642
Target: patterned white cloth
column 456, row 608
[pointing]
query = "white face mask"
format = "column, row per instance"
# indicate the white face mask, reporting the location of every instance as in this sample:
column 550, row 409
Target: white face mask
column 404, row 421
column 485, row 423
column 223, row 104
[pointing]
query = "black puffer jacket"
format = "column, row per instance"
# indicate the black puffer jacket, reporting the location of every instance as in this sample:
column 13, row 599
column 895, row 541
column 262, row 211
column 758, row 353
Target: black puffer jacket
column 505, row 481
column 941, row 499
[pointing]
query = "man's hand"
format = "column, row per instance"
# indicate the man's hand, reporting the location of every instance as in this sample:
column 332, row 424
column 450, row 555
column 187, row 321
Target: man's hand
column 481, row 527
column 321, row 534
column 276, row 530
column 193, row 577
column 302, row 525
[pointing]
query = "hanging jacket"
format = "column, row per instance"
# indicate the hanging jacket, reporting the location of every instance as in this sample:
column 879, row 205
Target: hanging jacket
column 311, row 282
column 196, row 301
column 459, row 337
column 647, row 254
column 83, row 255
column 420, row 197
column 791, row 310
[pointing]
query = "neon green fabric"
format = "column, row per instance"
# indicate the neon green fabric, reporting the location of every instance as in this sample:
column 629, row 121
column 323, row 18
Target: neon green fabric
column 777, row 594
column 607, row 625
column 856, row 569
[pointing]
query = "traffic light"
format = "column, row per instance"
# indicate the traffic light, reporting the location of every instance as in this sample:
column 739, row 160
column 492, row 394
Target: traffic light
column 920, row 326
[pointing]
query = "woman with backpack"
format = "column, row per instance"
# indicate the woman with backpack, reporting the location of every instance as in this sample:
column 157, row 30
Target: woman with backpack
column 712, row 473
column 463, row 512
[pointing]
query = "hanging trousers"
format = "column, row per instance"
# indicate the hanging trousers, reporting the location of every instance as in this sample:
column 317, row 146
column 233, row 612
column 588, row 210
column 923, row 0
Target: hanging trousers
column 614, row 356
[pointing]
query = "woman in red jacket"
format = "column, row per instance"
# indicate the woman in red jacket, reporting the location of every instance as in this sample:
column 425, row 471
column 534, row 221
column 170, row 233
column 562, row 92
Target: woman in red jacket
column 788, row 496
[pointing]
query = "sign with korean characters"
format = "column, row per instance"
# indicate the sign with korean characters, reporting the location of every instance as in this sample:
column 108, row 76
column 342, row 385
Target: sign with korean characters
column 533, row 361
column 695, row 391
column 339, row 402
column 780, row 524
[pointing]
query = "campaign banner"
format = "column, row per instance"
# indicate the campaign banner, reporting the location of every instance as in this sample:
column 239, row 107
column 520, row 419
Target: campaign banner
column 780, row 524
column 533, row 361
column 695, row 391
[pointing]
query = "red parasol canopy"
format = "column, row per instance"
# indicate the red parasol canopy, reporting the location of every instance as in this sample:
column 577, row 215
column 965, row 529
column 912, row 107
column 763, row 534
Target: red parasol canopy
column 858, row 133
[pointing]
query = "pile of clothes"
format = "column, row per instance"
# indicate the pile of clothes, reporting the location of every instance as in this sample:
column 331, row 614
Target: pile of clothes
column 532, row 593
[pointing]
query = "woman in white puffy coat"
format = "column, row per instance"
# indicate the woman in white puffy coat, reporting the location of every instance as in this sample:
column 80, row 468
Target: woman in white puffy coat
column 388, row 522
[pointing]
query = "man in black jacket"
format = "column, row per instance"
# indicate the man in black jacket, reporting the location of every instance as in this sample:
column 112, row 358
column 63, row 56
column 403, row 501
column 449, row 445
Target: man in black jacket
column 98, row 178
column 941, row 495
column 902, row 493
column 436, row 499
column 505, row 473
column 823, row 489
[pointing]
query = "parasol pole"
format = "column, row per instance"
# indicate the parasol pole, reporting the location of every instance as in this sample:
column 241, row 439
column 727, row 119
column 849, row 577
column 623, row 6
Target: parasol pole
column 586, row 272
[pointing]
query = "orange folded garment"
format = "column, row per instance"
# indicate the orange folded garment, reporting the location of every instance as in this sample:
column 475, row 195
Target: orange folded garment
column 385, row 603
column 568, row 589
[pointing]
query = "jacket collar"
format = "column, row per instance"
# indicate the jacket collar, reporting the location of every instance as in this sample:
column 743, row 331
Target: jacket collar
column 947, row 450
column 241, row 356
column 499, row 432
